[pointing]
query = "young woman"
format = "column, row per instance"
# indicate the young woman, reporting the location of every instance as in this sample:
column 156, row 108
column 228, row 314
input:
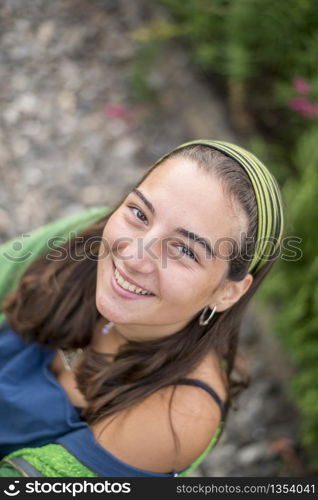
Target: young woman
column 119, row 345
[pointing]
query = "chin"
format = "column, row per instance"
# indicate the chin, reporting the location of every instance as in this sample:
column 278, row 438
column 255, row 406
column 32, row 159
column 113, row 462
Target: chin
column 102, row 306
column 107, row 310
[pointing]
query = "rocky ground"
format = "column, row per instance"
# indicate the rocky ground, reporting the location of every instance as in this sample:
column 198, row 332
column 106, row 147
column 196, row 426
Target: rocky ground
column 73, row 134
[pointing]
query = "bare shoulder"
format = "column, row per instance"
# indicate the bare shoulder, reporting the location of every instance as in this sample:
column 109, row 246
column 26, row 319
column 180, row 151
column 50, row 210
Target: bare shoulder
column 141, row 436
column 211, row 372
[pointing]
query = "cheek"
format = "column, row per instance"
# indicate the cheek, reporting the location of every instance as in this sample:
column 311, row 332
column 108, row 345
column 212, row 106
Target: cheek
column 114, row 230
column 198, row 284
column 179, row 285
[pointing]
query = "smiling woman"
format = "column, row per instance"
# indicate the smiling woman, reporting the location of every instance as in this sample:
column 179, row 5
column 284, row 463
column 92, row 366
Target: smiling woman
column 122, row 347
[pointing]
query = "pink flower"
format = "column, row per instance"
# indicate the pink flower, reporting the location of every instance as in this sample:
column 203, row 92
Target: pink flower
column 120, row 112
column 301, row 85
column 300, row 104
column 311, row 112
column 306, row 108
column 116, row 112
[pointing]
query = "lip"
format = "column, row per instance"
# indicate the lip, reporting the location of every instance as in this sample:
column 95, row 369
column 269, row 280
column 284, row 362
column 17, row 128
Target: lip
column 130, row 280
column 125, row 293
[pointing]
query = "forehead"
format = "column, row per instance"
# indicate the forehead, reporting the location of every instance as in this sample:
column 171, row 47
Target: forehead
column 193, row 198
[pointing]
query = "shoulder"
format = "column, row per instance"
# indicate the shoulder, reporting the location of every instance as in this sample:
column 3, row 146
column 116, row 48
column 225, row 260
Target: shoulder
column 212, row 373
column 142, row 435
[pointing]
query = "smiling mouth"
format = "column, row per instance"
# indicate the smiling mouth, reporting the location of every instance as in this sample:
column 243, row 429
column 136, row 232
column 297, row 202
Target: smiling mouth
column 129, row 287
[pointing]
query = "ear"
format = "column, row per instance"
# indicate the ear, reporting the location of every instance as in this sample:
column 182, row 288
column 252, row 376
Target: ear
column 231, row 292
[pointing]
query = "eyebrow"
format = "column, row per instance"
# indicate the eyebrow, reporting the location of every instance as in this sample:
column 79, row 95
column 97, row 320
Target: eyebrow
column 180, row 230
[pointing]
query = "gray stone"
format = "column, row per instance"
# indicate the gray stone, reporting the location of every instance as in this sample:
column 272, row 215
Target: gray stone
column 256, row 452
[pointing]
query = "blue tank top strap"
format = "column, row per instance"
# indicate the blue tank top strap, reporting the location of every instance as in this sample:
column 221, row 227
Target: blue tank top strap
column 206, row 387
column 84, row 446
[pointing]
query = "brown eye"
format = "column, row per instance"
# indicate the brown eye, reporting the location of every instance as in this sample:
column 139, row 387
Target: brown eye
column 138, row 214
column 190, row 254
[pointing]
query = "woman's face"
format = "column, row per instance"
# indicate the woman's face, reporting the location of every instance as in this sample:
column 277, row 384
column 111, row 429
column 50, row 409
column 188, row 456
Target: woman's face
column 146, row 247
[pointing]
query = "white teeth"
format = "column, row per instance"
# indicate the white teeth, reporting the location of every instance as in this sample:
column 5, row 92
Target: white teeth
column 128, row 286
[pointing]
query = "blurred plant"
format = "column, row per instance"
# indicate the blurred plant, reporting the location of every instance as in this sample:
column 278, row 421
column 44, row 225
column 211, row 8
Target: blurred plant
column 119, row 112
column 257, row 48
column 158, row 29
column 292, row 287
column 302, row 103
column 302, row 86
column 149, row 39
column 140, row 88
column 258, row 145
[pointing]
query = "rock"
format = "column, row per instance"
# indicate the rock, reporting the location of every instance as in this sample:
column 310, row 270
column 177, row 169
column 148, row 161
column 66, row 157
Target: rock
column 256, row 452
column 125, row 148
column 20, row 147
column 5, row 222
column 33, row 176
column 46, row 32
column 66, row 101
column 92, row 195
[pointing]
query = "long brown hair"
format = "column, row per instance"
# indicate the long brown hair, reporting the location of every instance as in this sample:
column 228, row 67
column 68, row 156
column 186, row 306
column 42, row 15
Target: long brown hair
column 54, row 304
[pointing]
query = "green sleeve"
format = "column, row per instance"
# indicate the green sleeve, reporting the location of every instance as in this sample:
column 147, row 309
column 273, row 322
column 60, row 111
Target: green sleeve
column 52, row 460
column 205, row 453
column 6, row 470
column 18, row 253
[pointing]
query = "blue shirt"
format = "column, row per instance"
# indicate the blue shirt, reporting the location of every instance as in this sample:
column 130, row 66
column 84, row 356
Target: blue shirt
column 35, row 409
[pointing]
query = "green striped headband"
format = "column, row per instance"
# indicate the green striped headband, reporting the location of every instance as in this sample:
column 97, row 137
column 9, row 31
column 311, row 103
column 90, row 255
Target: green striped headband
column 268, row 199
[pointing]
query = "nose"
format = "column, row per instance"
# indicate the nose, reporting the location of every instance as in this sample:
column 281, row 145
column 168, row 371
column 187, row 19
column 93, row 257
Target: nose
column 140, row 254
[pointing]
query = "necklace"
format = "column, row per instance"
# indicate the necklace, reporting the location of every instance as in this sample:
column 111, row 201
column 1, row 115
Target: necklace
column 110, row 325
column 107, row 327
column 70, row 356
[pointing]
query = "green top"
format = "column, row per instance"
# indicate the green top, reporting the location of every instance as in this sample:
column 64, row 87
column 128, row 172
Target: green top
column 52, row 460
column 15, row 256
column 7, row 470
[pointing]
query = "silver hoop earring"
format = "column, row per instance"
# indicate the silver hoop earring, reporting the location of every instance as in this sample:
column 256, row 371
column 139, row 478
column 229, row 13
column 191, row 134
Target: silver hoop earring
column 202, row 321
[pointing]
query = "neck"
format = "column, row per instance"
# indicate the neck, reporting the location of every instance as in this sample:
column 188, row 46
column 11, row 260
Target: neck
column 143, row 333
column 121, row 338
column 109, row 341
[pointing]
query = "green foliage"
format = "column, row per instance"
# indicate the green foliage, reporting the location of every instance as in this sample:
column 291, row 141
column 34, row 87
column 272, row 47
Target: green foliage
column 149, row 39
column 293, row 287
column 271, row 38
column 140, row 87
column 271, row 34
column 261, row 45
column 270, row 156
